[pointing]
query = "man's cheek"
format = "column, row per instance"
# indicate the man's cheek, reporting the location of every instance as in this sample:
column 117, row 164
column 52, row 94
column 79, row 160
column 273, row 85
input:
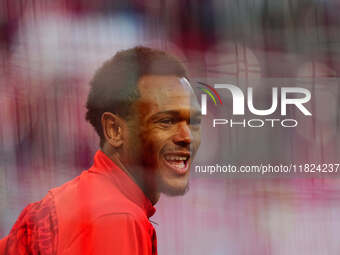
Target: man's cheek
column 150, row 151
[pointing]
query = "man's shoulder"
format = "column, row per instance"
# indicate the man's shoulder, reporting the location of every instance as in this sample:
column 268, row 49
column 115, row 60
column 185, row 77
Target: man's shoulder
column 89, row 197
column 90, row 202
column 93, row 195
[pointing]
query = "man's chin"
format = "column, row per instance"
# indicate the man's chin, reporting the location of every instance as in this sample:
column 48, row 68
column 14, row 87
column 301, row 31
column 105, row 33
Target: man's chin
column 175, row 191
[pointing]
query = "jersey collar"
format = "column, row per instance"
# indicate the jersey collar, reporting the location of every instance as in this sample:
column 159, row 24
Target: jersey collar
column 102, row 163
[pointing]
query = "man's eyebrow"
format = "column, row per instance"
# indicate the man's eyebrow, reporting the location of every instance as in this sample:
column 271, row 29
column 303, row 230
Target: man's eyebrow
column 193, row 114
column 158, row 114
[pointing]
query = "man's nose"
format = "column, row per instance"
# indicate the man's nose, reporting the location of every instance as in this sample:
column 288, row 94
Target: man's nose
column 183, row 133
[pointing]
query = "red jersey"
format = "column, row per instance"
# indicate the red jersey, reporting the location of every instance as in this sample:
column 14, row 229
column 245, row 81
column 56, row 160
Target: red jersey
column 102, row 211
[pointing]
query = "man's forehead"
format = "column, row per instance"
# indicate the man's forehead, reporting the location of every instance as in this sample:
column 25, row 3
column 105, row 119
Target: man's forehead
column 163, row 85
column 164, row 93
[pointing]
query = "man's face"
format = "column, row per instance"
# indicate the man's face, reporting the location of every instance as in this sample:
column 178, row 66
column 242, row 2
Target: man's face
column 165, row 132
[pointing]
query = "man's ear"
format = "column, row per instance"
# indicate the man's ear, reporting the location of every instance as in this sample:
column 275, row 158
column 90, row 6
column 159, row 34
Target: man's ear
column 113, row 129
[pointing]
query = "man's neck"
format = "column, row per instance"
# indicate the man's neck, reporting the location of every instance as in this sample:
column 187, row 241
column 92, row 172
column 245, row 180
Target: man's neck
column 115, row 157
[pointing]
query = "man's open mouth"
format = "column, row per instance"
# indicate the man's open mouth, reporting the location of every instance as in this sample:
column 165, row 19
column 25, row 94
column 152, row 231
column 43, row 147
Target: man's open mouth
column 177, row 161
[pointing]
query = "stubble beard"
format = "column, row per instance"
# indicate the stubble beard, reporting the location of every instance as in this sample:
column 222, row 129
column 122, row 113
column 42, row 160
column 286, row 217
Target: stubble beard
column 169, row 190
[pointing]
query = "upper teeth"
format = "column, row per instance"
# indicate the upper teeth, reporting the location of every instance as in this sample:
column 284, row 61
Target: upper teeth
column 175, row 158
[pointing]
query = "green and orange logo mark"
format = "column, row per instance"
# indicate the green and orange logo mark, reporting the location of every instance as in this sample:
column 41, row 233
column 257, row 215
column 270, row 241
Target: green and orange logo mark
column 211, row 92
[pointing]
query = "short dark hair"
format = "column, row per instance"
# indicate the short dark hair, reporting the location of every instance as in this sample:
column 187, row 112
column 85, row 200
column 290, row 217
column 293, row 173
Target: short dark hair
column 114, row 85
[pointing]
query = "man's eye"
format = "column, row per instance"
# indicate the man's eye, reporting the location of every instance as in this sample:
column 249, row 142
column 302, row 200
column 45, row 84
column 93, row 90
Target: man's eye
column 167, row 121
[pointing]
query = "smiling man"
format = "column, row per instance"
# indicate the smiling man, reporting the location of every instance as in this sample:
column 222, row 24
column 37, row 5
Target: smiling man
column 148, row 121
